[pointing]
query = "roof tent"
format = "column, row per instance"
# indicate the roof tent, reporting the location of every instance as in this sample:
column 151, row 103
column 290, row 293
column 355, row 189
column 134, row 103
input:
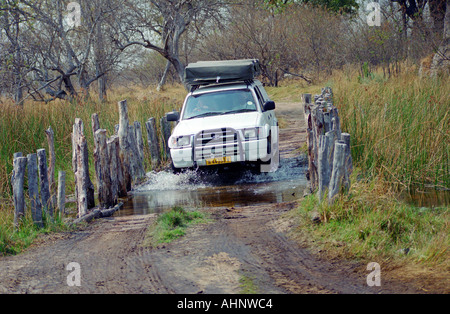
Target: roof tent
column 210, row 72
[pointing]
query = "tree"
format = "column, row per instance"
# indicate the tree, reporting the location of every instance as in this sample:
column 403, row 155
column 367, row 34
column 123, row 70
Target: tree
column 441, row 60
column 303, row 41
column 12, row 55
column 60, row 52
column 424, row 33
column 159, row 25
column 339, row 6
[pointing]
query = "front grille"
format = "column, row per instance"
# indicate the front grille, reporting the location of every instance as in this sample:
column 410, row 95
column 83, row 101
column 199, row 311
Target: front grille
column 216, row 143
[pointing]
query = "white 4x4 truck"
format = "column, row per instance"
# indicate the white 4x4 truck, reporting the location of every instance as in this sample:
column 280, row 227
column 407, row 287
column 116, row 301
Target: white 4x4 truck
column 227, row 117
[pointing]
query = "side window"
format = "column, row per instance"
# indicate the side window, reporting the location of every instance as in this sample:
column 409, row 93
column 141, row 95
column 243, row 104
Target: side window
column 264, row 94
column 260, row 97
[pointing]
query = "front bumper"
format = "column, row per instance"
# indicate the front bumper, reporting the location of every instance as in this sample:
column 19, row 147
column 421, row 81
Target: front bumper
column 236, row 151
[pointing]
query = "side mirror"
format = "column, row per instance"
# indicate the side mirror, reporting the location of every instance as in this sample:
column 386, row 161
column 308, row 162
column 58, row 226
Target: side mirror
column 172, row 116
column 269, row 105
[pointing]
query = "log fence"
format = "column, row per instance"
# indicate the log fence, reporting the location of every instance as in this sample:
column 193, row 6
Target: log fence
column 329, row 158
column 119, row 165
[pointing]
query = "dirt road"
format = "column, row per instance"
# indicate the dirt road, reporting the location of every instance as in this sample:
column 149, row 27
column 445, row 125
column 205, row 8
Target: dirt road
column 240, row 244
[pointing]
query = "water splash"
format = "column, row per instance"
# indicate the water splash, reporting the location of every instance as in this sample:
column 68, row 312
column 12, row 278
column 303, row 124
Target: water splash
column 165, row 181
column 217, row 188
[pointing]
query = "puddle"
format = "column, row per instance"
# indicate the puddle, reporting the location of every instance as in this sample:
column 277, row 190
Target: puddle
column 427, row 197
column 239, row 187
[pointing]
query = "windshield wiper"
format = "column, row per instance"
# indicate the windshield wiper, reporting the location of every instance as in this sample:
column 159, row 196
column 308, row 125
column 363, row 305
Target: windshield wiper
column 206, row 114
column 238, row 111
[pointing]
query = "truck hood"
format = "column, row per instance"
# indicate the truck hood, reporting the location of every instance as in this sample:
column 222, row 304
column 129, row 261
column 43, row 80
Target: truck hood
column 235, row 121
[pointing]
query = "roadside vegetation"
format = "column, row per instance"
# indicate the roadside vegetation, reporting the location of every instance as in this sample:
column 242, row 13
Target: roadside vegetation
column 370, row 224
column 15, row 240
column 400, row 138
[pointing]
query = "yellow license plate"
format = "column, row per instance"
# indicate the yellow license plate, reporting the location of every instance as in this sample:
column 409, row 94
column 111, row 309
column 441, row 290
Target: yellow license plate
column 218, row 161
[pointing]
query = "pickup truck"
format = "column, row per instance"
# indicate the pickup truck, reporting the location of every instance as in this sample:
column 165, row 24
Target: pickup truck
column 224, row 123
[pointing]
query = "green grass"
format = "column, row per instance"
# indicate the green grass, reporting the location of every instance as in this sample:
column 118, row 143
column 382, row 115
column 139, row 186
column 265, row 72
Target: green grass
column 16, row 240
column 172, row 225
column 247, row 284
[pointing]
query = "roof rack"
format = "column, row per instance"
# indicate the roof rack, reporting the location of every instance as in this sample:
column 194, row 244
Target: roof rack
column 216, row 72
column 193, row 88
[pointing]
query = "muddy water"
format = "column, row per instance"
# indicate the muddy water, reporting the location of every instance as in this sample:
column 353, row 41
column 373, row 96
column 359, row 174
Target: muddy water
column 422, row 197
column 239, row 187
column 229, row 188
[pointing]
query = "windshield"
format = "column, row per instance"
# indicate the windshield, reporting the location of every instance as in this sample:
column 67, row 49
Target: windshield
column 219, row 103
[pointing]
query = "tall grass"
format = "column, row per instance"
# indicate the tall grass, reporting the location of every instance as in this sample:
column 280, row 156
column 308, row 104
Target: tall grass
column 400, row 137
column 399, row 126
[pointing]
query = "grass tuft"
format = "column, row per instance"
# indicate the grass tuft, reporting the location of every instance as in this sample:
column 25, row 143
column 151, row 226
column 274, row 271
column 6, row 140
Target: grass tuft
column 172, row 225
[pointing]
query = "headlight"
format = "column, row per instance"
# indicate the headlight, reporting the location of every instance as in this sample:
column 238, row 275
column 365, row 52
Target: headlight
column 179, row 141
column 252, row 133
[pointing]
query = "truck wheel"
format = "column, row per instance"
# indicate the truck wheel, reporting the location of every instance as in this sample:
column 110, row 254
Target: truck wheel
column 174, row 169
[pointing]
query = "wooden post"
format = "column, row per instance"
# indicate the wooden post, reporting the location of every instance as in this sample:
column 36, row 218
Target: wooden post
column 121, row 182
column 78, row 131
column 329, row 158
column 43, row 179
column 62, row 192
column 15, row 155
column 153, row 143
column 336, row 125
column 80, row 176
column 95, row 122
column 33, row 190
column 325, row 162
column 306, row 98
column 327, row 122
column 316, row 131
column 140, row 146
column 20, row 164
column 348, row 156
column 51, row 157
column 137, row 169
column 133, row 154
column 112, row 144
column 124, row 144
column 165, row 132
column 338, row 173
column 103, row 172
column 312, row 170
column 51, row 164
